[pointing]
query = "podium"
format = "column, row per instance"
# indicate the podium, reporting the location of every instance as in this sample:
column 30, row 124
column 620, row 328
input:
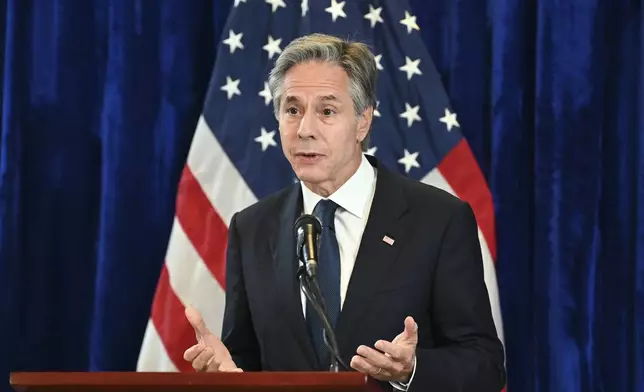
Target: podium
column 192, row 382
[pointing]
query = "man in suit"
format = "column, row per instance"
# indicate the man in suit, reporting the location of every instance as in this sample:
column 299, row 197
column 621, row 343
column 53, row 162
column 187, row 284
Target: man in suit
column 400, row 263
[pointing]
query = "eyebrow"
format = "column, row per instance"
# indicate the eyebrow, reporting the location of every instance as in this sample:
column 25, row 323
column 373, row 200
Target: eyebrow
column 323, row 98
column 329, row 97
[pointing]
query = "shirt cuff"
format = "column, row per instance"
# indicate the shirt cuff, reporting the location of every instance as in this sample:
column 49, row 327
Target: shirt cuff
column 403, row 386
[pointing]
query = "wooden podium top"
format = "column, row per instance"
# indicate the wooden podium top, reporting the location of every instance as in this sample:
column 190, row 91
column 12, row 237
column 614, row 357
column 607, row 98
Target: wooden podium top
column 191, row 382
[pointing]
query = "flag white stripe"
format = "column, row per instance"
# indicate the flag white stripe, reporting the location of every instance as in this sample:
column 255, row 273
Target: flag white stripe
column 153, row 356
column 191, row 280
column 219, row 178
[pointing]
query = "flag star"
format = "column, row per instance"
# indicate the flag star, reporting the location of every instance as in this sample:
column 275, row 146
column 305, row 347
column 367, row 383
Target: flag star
column 410, row 22
column 275, row 4
column 266, row 139
column 273, row 46
column 372, row 151
column 305, row 7
column 231, row 87
column 374, row 15
column 266, row 93
column 234, row 41
column 376, row 112
column 336, row 9
column 411, row 114
column 378, row 65
column 409, row 160
column 449, row 119
column 237, row 2
column 411, row 67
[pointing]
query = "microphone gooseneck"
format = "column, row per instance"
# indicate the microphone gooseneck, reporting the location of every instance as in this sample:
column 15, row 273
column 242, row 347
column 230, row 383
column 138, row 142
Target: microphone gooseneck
column 308, row 229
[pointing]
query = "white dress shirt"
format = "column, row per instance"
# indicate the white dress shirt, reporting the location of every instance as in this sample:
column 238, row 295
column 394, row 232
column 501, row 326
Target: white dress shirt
column 354, row 199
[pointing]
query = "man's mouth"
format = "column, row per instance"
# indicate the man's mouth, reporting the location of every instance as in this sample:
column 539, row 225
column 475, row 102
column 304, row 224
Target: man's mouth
column 308, row 156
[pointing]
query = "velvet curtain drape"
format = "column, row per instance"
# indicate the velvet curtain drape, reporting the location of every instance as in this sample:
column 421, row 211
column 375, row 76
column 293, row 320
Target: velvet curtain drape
column 99, row 100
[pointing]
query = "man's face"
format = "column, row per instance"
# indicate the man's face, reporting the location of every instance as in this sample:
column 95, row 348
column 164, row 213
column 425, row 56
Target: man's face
column 319, row 130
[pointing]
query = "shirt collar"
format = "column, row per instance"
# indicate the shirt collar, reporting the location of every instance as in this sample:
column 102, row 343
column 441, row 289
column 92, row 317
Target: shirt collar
column 351, row 196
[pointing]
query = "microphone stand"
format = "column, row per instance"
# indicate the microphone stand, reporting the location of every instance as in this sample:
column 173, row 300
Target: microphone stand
column 312, row 291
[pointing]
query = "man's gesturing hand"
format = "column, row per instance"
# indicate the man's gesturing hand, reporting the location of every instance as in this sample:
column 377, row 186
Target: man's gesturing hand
column 209, row 354
column 394, row 361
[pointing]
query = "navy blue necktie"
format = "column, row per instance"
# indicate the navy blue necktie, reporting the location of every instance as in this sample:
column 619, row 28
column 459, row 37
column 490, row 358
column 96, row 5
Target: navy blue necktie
column 328, row 277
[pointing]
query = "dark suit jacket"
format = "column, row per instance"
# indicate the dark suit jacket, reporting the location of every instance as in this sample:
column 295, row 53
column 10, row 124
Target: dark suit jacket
column 433, row 272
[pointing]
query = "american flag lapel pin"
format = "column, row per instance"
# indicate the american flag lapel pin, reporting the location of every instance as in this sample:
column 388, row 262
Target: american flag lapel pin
column 388, row 240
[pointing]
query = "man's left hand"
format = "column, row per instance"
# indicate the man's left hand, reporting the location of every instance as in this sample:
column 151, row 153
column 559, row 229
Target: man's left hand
column 394, row 361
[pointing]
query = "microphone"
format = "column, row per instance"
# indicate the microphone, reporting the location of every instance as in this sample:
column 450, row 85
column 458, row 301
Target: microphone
column 308, row 229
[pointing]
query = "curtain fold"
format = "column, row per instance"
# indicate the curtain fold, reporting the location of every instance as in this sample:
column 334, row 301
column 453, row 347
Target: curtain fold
column 99, row 103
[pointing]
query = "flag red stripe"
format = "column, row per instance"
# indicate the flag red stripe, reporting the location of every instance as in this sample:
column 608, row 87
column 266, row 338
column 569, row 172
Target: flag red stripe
column 203, row 226
column 169, row 319
column 461, row 171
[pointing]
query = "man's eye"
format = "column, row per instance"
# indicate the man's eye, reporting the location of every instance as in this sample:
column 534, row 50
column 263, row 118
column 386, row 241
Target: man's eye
column 291, row 111
column 327, row 112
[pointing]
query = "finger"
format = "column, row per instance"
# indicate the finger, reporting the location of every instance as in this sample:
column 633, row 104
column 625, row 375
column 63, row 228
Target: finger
column 410, row 331
column 378, row 359
column 230, row 368
column 204, row 360
column 411, row 328
column 396, row 352
column 402, row 355
column 364, row 366
column 195, row 319
column 358, row 363
column 213, row 365
column 191, row 353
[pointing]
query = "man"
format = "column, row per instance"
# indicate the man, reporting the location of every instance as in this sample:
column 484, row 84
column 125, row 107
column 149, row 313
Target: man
column 400, row 264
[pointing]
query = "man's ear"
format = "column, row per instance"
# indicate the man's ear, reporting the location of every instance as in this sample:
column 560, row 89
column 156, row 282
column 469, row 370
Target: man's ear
column 364, row 123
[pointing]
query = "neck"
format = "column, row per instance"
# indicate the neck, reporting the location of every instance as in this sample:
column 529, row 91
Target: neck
column 327, row 188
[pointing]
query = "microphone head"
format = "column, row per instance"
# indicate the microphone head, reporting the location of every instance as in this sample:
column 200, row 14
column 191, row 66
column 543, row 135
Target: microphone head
column 306, row 226
column 308, row 220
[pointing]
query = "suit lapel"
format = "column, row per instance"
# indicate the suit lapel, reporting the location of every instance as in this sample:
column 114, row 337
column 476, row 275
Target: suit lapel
column 286, row 264
column 375, row 255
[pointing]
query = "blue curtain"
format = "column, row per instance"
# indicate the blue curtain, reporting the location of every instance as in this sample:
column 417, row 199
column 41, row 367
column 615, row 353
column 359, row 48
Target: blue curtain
column 99, row 101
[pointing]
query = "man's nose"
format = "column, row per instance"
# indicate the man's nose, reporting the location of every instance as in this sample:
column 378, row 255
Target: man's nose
column 307, row 128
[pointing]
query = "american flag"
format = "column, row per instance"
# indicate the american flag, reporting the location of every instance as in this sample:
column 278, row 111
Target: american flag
column 236, row 158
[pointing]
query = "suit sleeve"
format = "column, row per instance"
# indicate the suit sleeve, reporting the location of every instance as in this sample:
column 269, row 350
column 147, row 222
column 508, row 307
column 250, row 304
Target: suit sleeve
column 467, row 354
column 238, row 333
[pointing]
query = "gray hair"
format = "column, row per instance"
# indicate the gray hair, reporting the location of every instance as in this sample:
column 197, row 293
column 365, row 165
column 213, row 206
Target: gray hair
column 354, row 57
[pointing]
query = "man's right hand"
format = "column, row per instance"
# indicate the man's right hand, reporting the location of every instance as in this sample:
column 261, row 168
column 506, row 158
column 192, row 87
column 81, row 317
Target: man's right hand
column 209, row 354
